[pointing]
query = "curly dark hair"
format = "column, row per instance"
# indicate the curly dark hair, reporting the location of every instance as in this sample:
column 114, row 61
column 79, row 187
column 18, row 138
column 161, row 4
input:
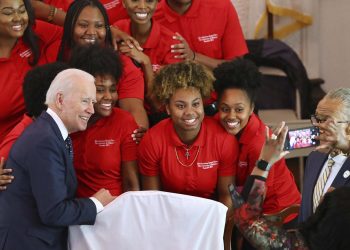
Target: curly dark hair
column 182, row 75
column 36, row 83
column 328, row 227
column 98, row 61
column 72, row 15
column 240, row 74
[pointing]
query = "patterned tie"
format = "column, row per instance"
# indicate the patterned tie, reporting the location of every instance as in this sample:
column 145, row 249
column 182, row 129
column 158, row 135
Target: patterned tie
column 69, row 147
column 321, row 182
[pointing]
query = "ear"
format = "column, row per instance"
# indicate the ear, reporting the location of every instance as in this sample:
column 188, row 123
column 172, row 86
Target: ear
column 59, row 101
column 252, row 107
column 167, row 108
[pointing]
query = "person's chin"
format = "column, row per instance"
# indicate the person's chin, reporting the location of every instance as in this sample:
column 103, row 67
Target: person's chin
column 104, row 113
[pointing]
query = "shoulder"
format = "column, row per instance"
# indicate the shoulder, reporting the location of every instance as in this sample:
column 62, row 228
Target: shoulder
column 121, row 115
column 214, row 4
column 123, row 25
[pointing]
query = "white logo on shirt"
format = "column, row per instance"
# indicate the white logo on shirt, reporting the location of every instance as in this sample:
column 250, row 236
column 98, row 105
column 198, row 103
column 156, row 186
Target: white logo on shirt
column 155, row 67
column 105, row 143
column 207, row 165
column 26, row 53
column 242, row 164
column 208, row 38
column 111, row 5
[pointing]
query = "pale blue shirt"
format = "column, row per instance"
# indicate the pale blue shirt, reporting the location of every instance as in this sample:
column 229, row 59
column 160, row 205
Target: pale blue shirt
column 338, row 163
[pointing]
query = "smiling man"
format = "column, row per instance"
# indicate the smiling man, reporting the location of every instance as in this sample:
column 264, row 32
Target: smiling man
column 38, row 207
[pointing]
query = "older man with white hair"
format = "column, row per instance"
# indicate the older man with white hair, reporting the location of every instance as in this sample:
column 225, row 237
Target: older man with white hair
column 38, row 207
column 329, row 166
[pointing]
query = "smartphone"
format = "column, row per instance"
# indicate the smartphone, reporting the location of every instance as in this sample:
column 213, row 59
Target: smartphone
column 302, row 138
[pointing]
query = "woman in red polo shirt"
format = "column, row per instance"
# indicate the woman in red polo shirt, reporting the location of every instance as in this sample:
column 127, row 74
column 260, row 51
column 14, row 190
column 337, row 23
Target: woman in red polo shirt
column 23, row 44
column 154, row 38
column 236, row 84
column 187, row 153
column 104, row 154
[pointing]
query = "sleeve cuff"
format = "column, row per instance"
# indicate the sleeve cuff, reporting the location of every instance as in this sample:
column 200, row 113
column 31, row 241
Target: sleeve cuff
column 98, row 204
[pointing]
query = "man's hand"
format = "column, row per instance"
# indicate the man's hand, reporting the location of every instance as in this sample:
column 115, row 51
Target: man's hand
column 104, row 196
column 333, row 135
column 5, row 177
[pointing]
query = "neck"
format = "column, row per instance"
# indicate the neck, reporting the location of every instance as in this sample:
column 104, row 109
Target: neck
column 187, row 137
column 93, row 119
column 6, row 46
column 179, row 8
column 141, row 31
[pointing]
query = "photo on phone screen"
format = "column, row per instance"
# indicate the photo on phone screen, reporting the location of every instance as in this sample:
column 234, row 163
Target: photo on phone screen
column 301, row 138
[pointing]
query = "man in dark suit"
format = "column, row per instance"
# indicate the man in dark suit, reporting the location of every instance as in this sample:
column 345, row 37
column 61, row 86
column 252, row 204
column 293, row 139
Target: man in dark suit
column 329, row 166
column 38, row 207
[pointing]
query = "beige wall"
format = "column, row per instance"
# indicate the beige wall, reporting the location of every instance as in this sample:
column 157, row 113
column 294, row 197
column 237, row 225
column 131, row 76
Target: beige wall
column 334, row 43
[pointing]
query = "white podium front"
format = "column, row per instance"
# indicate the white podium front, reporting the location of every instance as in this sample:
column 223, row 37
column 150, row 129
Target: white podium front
column 154, row 220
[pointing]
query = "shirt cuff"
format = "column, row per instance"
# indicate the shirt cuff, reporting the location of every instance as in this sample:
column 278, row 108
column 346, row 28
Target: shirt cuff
column 98, row 204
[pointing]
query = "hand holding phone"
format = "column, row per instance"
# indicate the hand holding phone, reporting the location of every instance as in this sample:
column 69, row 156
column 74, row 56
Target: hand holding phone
column 302, row 138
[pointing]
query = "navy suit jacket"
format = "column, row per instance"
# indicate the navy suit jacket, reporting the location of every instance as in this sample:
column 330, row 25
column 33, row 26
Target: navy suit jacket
column 314, row 164
column 37, row 208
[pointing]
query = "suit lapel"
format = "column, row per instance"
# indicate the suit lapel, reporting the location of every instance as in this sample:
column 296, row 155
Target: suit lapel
column 71, row 178
column 343, row 175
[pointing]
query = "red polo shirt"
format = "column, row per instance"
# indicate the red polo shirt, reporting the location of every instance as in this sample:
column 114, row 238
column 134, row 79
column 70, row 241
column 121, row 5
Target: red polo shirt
column 115, row 10
column 100, row 150
column 213, row 154
column 12, row 136
column 61, row 4
column 210, row 27
column 13, row 70
column 281, row 188
column 157, row 46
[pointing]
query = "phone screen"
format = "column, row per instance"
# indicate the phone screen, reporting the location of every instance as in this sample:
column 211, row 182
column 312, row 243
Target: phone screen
column 301, row 138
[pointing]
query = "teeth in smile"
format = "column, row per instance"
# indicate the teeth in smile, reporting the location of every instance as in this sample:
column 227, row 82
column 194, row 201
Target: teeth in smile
column 17, row 27
column 84, row 118
column 141, row 15
column 191, row 121
column 106, row 105
column 232, row 124
column 90, row 40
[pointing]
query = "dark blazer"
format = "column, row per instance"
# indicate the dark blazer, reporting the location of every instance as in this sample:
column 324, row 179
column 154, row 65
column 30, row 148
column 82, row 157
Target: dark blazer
column 37, row 208
column 314, row 164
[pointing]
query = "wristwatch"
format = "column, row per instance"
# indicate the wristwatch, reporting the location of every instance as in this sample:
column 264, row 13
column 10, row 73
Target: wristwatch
column 263, row 165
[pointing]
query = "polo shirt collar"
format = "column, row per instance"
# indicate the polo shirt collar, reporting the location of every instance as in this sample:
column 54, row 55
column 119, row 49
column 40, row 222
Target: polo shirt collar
column 172, row 16
column 153, row 38
column 251, row 130
column 175, row 139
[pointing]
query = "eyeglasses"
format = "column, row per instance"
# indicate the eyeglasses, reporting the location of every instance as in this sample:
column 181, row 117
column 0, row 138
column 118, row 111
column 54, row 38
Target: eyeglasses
column 315, row 119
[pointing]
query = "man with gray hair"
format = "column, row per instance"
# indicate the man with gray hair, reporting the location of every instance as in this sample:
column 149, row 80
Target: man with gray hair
column 329, row 166
column 38, row 207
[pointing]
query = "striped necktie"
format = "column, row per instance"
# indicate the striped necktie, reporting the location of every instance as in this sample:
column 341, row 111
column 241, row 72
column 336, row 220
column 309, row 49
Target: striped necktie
column 69, row 147
column 321, row 182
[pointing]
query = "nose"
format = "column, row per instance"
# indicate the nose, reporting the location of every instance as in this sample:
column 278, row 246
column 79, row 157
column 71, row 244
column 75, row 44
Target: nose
column 142, row 4
column 107, row 95
column 231, row 114
column 16, row 16
column 91, row 30
column 90, row 109
column 189, row 111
